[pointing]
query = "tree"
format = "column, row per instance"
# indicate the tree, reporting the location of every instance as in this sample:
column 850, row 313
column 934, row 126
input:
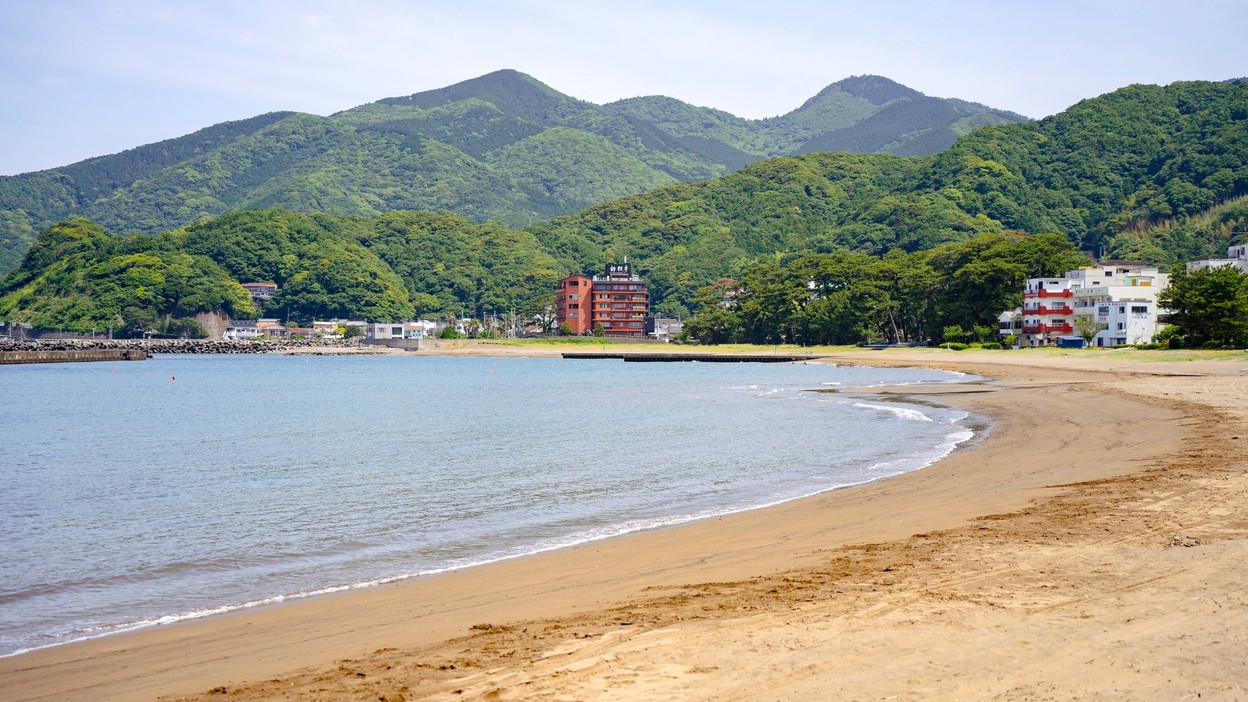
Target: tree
column 1087, row 328
column 1208, row 306
column 713, row 326
column 954, row 333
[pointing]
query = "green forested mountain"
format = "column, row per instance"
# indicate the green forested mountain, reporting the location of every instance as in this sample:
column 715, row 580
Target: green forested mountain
column 1158, row 173
column 500, row 147
column 1129, row 174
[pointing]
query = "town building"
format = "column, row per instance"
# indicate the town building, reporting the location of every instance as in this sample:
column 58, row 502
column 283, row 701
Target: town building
column 241, row 330
column 1046, row 312
column 1010, row 323
column 260, row 292
column 272, row 329
column 1117, row 299
column 573, row 303
column 664, row 329
column 384, row 330
column 618, row 301
column 1236, row 257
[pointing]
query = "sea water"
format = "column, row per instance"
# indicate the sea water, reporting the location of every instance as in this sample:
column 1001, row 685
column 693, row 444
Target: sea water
column 138, row 493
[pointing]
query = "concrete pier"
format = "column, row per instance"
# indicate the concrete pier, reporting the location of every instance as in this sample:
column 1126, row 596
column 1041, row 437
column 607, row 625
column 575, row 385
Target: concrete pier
column 75, row 356
column 689, row 357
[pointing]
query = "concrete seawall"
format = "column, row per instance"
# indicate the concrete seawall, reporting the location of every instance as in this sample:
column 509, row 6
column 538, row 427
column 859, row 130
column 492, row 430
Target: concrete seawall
column 49, row 356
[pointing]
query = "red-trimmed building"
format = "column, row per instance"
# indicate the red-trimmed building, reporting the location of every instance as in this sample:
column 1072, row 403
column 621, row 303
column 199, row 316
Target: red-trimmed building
column 618, row 300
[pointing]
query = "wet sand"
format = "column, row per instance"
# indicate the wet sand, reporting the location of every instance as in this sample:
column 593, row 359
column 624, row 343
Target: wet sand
column 1091, row 546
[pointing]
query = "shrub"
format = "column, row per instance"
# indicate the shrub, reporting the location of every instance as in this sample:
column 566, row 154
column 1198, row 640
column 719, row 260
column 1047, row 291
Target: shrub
column 955, row 346
column 991, row 346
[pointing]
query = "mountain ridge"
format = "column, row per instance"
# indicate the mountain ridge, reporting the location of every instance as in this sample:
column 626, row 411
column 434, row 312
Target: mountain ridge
column 453, row 149
column 1157, row 174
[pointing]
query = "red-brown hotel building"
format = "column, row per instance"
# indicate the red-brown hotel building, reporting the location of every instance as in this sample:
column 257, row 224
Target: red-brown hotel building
column 618, row 300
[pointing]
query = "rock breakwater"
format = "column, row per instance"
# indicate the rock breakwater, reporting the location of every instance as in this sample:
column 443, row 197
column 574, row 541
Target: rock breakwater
column 184, row 345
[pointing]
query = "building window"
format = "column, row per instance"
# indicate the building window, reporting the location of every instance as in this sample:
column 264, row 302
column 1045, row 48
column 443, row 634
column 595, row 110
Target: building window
column 1121, row 326
column 1139, row 309
column 574, row 315
column 574, row 296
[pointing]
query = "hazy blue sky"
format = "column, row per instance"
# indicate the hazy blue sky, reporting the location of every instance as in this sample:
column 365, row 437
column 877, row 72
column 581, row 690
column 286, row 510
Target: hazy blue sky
column 81, row 78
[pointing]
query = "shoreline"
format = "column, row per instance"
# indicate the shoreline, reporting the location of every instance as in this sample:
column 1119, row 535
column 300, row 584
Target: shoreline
column 462, row 615
column 921, row 458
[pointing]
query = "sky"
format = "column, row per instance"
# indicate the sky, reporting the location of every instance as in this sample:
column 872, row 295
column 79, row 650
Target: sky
column 83, row 78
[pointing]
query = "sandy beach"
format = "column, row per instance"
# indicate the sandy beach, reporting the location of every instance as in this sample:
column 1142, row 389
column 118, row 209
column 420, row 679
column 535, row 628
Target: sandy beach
column 1093, row 546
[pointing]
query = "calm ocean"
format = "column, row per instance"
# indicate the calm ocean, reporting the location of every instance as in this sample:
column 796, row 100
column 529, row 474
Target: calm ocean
column 145, row 492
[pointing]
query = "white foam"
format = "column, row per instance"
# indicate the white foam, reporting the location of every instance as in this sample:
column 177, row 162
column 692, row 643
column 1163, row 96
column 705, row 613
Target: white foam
column 901, row 412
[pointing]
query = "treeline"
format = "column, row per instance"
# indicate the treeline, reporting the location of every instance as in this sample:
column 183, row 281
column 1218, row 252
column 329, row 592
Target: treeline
column 396, row 266
column 845, row 298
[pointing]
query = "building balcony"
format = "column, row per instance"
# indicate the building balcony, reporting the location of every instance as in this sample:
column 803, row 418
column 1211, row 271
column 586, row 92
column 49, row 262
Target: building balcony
column 1048, row 310
column 1047, row 328
column 1042, row 293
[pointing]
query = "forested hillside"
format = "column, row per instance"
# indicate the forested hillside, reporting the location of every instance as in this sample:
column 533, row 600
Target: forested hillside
column 1158, row 173
column 500, row 147
column 390, row 267
column 1133, row 173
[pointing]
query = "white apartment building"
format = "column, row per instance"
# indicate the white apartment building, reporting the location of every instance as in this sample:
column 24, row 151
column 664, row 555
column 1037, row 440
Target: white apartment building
column 1236, row 256
column 418, row 329
column 1046, row 312
column 241, row 330
column 1120, row 298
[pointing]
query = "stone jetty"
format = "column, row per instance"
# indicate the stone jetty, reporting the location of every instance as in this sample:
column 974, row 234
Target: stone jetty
column 66, row 350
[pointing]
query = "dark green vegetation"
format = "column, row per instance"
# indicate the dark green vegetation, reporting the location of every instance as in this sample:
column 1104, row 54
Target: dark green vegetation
column 1208, row 307
column 1158, row 173
column 844, row 298
column 76, row 276
column 389, row 267
column 503, row 146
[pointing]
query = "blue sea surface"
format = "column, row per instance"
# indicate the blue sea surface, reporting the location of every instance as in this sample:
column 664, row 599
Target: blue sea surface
column 144, row 492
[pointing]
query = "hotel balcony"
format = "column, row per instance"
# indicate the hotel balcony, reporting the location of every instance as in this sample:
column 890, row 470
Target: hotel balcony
column 1042, row 293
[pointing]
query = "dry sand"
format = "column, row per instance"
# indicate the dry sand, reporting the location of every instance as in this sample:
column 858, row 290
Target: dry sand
column 1094, row 546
